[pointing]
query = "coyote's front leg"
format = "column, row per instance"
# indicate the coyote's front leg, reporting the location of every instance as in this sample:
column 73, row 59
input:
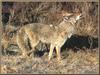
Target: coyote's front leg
column 58, row 53
column 51, row 51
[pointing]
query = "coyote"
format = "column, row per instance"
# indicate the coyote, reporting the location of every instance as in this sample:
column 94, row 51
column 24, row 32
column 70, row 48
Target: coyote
column 54, row 35
column 50, row 34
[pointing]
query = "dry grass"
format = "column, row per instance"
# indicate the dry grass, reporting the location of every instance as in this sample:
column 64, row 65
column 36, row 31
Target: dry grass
column 74, row 63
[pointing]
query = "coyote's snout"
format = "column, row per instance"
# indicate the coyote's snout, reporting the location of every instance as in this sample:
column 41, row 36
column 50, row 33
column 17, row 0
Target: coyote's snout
column 54, row 35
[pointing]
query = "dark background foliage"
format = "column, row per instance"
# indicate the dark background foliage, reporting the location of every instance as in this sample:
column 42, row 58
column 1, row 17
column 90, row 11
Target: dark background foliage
column 22, row 13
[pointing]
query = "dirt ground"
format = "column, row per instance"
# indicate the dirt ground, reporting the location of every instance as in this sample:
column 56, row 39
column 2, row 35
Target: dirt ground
column 80, row 62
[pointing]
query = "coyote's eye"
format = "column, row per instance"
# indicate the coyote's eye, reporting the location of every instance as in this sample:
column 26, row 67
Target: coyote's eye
column 66, row 18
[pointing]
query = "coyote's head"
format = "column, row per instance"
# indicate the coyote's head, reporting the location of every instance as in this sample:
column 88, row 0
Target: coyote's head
column 68, row 23
column 72, row 17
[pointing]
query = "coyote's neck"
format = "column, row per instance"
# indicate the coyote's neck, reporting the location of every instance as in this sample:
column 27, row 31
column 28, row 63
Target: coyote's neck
column 66, row 27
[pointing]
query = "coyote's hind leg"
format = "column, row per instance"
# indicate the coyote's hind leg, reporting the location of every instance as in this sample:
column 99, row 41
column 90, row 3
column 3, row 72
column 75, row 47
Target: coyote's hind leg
column 21, row 42
column 33, row 39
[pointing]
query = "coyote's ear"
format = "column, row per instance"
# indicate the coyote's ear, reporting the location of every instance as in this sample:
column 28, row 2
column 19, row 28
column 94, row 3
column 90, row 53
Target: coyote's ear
column 65, row 13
